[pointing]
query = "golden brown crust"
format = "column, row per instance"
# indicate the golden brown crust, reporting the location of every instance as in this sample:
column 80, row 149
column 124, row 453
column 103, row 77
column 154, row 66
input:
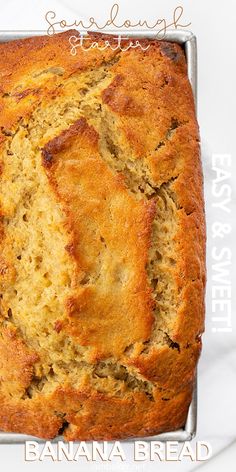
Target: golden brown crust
column 108, row 418
column 97, row 318
column 124, row 171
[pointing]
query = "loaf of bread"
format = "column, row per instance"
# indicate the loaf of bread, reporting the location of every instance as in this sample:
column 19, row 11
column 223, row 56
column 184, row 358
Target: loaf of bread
column 102, row 263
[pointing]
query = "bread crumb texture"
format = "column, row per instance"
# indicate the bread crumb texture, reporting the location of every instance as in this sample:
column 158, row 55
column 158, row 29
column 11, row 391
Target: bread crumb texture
column 102, row 266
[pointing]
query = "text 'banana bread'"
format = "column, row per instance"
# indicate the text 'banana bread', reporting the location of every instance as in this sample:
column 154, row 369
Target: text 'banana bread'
column 102, row 262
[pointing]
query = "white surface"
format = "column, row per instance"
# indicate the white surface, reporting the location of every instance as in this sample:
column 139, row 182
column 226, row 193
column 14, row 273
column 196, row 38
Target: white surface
column 213, row 23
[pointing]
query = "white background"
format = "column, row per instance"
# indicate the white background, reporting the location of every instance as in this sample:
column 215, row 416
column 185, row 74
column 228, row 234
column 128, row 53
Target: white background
column 213, row 21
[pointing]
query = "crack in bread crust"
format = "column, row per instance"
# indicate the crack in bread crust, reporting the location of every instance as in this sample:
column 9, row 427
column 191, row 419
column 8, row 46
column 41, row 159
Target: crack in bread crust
column 58, row 252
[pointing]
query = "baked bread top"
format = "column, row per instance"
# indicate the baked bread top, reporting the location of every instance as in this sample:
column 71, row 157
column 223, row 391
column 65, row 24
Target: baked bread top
column 102, row 267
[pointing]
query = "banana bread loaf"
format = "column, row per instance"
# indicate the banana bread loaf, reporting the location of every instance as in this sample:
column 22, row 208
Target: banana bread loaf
column 102, row 265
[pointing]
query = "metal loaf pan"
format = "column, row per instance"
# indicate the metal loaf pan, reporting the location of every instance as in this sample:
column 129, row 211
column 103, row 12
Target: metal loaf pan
column 188, row 41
